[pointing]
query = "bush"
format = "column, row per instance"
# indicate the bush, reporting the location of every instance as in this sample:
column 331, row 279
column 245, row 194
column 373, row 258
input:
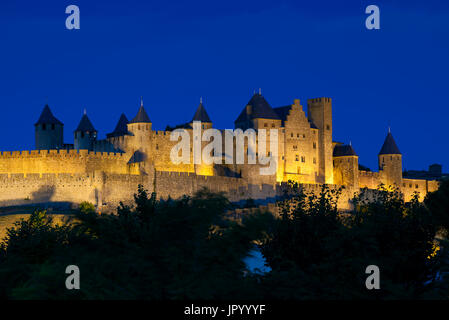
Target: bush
column 315, row 253
column 86, row 207
column 189, row 249
column 177, row 249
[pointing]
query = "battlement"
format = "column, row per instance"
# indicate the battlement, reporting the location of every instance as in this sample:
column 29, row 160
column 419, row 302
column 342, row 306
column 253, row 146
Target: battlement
column 369, row 174
column 192, row 175
column 62, row 161
column 60, row 153
column 319, row 100
column 162, row 133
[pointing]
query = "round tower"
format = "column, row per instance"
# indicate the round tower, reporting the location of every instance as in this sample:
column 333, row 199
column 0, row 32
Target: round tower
column 49, row 131
column 140, row 128
column 346, row 166
column 201, row 122
column 85, row 134
column 390, row 163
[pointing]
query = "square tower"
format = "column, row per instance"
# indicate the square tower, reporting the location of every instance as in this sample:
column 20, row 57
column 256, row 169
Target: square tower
column 320, row 114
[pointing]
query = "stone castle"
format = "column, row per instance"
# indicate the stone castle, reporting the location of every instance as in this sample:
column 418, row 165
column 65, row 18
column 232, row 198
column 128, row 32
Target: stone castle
column 107, row 171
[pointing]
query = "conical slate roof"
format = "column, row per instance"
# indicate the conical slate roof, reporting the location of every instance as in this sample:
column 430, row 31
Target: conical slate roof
column 389, row 146
column 121, row 128
column 344, row 151
column 141, row 116
column 201, row 114
column 260, row 109
column 47, row 117
column 85, row 125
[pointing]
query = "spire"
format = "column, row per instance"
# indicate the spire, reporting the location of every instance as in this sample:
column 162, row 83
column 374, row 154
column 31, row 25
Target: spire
column 85, row 125
column 389, row 146
column 201, row 114
column 85, row 112
column 142, row 116
column 260, row 91
column 121, row 127
column 47, row 117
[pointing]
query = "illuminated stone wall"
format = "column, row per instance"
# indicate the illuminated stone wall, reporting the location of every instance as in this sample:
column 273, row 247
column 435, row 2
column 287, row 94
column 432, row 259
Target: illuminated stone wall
column 63, row 161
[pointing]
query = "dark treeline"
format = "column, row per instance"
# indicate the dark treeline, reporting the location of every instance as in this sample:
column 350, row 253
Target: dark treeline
column 191, row 249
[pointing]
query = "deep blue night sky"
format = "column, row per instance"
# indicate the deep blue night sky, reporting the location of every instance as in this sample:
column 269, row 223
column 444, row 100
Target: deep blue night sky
column 173, row 52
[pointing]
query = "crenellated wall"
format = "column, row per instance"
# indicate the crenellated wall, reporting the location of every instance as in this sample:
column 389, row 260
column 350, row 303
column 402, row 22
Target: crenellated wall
column 369, row 179
column 107, row 190
column 98, row 188
column 372, row 180
column 422, row 187
column 63, row 161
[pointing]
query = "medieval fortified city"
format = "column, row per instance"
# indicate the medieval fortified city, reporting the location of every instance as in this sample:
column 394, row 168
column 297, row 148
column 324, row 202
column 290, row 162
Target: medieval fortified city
column 105, row 172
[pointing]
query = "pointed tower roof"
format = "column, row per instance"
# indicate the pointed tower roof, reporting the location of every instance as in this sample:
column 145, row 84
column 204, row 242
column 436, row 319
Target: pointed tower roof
column 47, row 117
column 201, row 114
column 121, row 128
column 389, row 146
column 344, row 151
column 142, row 115
column 260, row 109
column 85, row 125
